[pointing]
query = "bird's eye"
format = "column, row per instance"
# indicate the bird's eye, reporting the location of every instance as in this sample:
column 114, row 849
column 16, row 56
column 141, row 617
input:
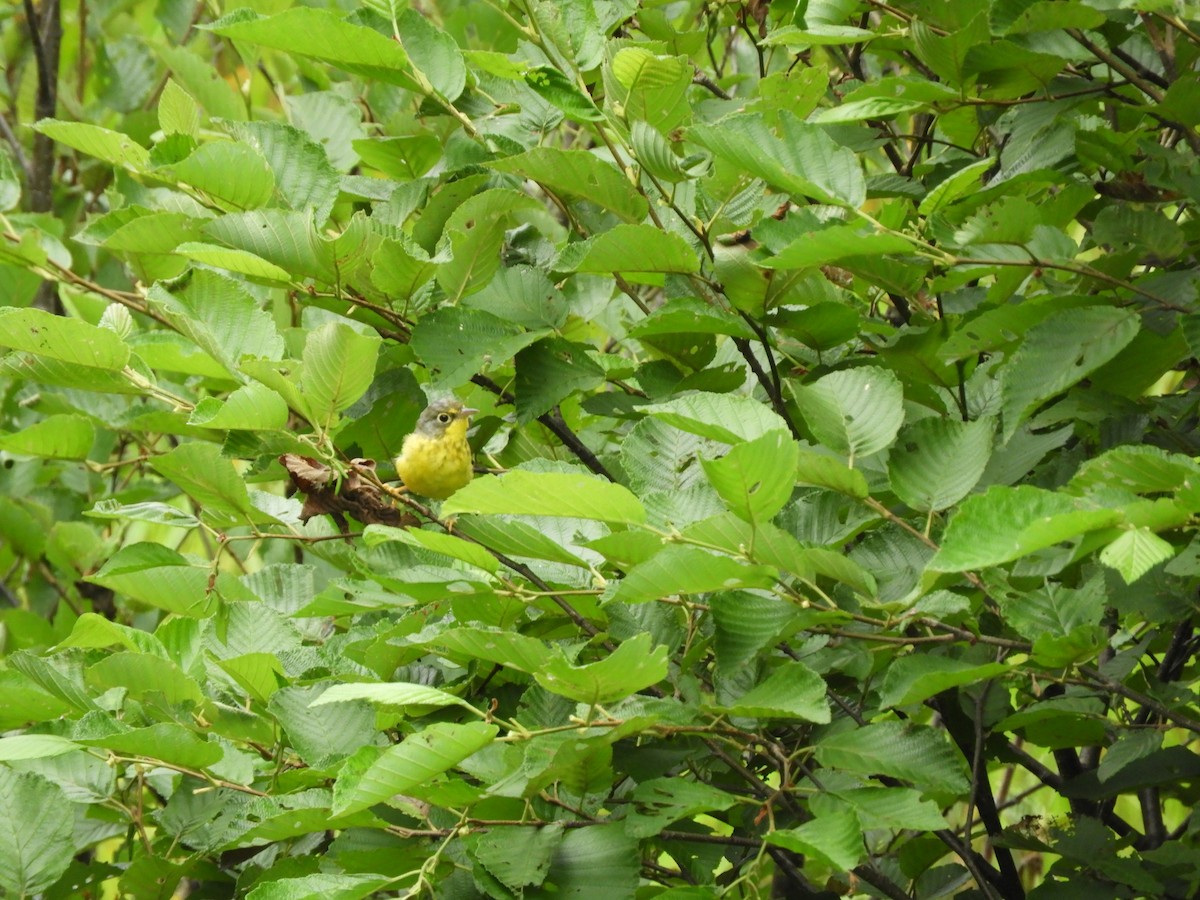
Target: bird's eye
column 444, row 417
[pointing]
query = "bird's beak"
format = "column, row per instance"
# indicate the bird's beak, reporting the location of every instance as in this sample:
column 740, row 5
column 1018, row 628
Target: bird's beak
column 466, row 412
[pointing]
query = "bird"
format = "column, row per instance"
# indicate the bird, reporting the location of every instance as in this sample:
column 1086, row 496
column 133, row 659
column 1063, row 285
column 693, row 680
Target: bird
column 435, row 459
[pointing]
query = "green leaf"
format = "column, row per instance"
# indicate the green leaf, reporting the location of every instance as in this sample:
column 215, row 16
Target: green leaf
column 54, row 437
column 110, row 146
column 233, row 173
column 548, row 494
column 178, row 113
column 160, row 577
column 829, row 472
column 391, row 694
column 725, row 418
column 629, row 248
column 745, row 623
column 34, row 746
column 320, row 887
column 802, row 160
column 756, row 478
column 91, row 630
column 1005, row 523
column 627, row 670
column 330, row 732
column 199, row 470
column 856, row 412
column 10, row 184
column 912, row 679
column 433, row 53
column 689, row 570
column 339, row 365
column 835, row 838
column 549, row 371
column 252, row 407
column 1140, row 469
column 651, row 87
column 838, row 242
column 323, row 35
column 512, row 537
column 914, row 753
column 37, row 824
column 580, row 174
column 556, row 88
column 1135, row 553
column 459, row 342
column 60, row 338
column 165, row 741
column 143, row 674
column 660, row 801
column 221, row 316
column 1058, row 353
column 303, row 175
column 160, row 513
column 936, row 462
column 284, row 238
column 514, row 651
column 657, row 156
column 515, row 855
column 414, row 762
column 447, row 544
column 474, row 234
column 792, row 691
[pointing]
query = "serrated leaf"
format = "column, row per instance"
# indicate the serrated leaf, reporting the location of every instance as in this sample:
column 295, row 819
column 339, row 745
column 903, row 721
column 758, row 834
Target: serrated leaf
column 838, row 242
column 230, row 172
column 802, row 160
column 252, row 407
column 1135, row 553
column 459, row 342
column 791, row 691
column 34, row 746
column 111, row 146
column 150, row 511
column 834, row 837
column 434, row 53
column 856, row 412
column 581, row 174
column 936, row 462
column 627, row 670
column 912, row 679
column 1058, row 353
column 322, row 34
column 722, row 417
column 1005, row 523
column 159, row 577
column 756, row 478
column 54, row 437
column 515, row 651
column 416, row 761
column 61, row 338
column 915, row 753
column 339, row 365
column 390, row 694
column 199, row 470
column 516, row 855
column 548, row 494
column 37, row 822
column 689, row 570
column 447, row 544
column 629, row 248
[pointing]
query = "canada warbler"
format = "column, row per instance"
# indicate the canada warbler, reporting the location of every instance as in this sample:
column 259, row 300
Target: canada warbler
column 435, row 460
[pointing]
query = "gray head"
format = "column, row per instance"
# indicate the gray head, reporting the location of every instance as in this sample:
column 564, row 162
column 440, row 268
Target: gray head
column 441, row 413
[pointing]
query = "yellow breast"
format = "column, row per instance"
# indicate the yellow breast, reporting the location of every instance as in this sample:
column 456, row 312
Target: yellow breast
column 436, row 467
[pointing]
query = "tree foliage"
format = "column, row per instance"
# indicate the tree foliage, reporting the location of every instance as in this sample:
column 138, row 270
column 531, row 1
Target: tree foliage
column 835, row 528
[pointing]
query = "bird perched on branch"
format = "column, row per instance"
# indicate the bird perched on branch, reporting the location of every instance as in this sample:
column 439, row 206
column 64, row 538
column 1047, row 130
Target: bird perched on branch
column 435, row 460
